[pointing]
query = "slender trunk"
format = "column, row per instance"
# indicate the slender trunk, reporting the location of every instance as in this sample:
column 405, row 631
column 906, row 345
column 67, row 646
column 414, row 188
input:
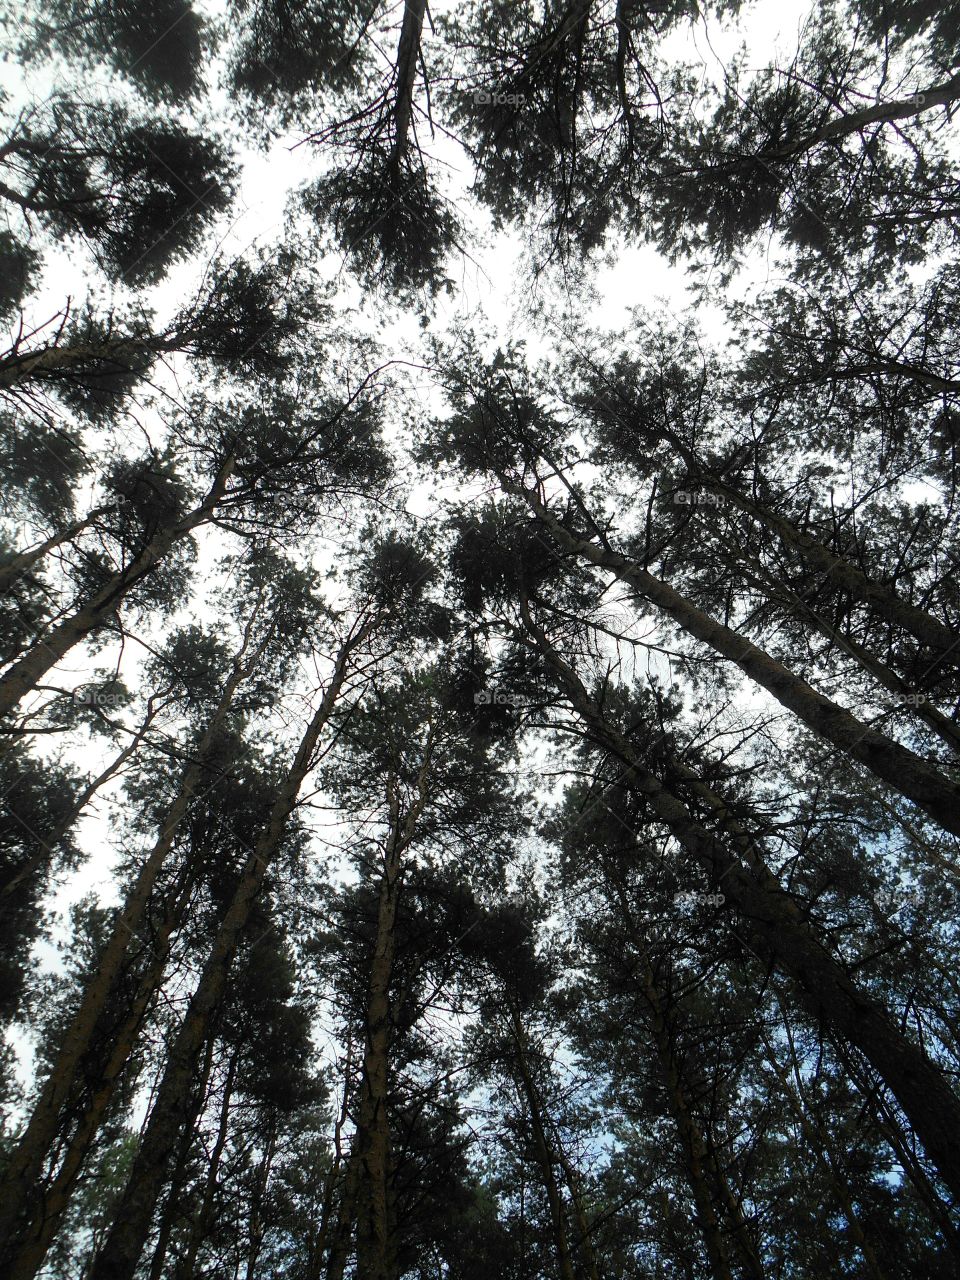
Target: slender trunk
column 49, row 846
column 819, row 1142
column 18, row 1187
column 255, row 1243
column 882, row 600
column 698, row 1152
column 318, row 1242
column 890, row 1128
column 186, row 1266
column 892, row 763
column 100, row 1080
column 21, row 677
column 408, row 53
column 779, row 929
column 375, row 1254
column 373, row 1130
column 946, row 729
column 546, row 1156
column 178, row 1179
column 24, row 560
column 118, row 1258
column 584, row 1244
column 346, row 1217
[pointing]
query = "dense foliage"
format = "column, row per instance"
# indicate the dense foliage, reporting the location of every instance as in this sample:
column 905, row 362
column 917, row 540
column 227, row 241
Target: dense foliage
column 479, row 799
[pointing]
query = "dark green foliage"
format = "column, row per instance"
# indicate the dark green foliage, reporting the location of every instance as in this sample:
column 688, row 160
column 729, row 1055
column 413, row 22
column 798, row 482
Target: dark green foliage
column 158, row 45
column 140, row 191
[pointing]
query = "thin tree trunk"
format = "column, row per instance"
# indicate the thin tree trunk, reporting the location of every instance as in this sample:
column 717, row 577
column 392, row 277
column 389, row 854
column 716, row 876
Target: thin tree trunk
column 882, row 600
column 346, row 1217
column 200, row 1226
column 819, row 1143
column 779, row 929
column 892, row 763
column 118, row 1258
column 698, row 1150
column 375, row 1253
column 24, row 674
column 24, row 560
column 408, row 54
column 21, row 1177
column 178, row 1179
column 546, row 1157
column 51, row 842
column 53, row 1199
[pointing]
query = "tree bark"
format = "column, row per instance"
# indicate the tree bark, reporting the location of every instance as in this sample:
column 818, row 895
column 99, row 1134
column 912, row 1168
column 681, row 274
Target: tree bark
column 21, row 677
column 546, row 1157
column 892, row 763
column 118, row 1258
column 24, row 560
column 18, row 1187
column 698, row 1156
column 375, row 1252
column 780, row 931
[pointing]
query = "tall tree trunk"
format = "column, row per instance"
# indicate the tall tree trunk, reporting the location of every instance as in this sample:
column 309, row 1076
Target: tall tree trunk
column 946, row 729
column 375, row 1252
column 880, row 599
column 200, row 1226
column 118, row 1258
column 24, row 674
column 892, row 763
column 346, row 1218
column 99, row 1083
column 171, row 1206
column 699, row 1156
column 18, row 1188
column 408, row 55
column 780, row 931
column 821, row 1147
column 373, row 1130
column 546, row 1156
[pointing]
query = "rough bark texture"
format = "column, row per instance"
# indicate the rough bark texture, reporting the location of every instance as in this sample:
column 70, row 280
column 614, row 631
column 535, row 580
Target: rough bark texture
column 375, row 1252
column 18, row 1189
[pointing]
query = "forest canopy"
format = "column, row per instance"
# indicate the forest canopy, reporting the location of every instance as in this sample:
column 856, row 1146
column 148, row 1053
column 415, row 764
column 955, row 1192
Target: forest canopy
column 479, row 640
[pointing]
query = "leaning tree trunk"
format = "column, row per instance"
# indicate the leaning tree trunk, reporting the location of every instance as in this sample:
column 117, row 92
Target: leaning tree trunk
column 892, row 763
column 779, row 929
column 120, row 1254
column 23, row 561
column 19, row 1196
column 24, row 674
